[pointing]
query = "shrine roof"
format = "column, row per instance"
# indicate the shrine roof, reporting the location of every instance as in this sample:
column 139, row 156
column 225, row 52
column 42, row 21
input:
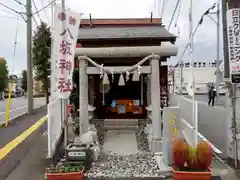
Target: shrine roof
column 125, row 32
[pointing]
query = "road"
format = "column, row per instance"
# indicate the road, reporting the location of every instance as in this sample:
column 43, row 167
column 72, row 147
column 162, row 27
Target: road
column 9, row 138
column 18, row 106
column 204, row 98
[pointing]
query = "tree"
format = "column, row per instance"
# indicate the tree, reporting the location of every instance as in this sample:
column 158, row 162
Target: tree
column 3, row 76
column 41, row 55
column 24, row 80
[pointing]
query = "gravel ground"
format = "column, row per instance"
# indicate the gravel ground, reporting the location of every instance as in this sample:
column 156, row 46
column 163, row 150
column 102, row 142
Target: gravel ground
column 141, row 164
column 142, row 141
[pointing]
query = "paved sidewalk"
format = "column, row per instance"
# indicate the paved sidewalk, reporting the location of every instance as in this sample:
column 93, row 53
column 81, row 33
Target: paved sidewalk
column 18, row 139
column 33, row 165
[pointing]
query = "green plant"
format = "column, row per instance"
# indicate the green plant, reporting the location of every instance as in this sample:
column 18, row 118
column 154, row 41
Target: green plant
column 3, row 74
column 65, row 169
column 24, row 80
column 41, row 56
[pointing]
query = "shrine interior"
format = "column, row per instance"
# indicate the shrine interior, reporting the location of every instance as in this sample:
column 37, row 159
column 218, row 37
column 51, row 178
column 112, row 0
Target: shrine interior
column 119, row 101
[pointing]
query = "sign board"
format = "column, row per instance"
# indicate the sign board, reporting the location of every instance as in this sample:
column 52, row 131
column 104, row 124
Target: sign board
column 65, row 35
column 233, row 25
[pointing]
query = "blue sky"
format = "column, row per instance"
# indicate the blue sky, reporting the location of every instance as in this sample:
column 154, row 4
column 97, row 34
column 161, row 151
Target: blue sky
column 204, row 40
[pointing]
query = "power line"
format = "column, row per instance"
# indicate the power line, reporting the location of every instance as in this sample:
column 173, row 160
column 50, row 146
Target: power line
column 9, row 17
column 5, row 11
column 38, row 14
column 45, row 12
column 17, row 12
column 199, row 23
column 49, row 4
column 34, row 4
column 174, row 11
column 20, row 3
column 15, row 46
column 178, row 15
column 163, row 7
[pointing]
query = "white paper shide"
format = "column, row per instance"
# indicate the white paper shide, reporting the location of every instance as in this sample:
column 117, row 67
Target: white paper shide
column 65, row 35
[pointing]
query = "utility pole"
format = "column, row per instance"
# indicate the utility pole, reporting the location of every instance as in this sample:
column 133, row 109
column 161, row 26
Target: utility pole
column 231, row 100
column 173, row 81
column 218, row 48
column 181, row 76
column 29, row 57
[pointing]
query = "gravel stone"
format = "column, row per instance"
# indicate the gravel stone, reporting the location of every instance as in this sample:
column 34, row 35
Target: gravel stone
column 140, row 164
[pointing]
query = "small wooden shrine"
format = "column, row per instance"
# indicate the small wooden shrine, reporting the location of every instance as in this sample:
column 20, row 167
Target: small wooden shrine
column 131, row 99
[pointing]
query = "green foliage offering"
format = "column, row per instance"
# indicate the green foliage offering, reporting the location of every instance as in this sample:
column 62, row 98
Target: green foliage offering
column 24, row 80
column 3, row 74
column 65, row 169
column 41, row 55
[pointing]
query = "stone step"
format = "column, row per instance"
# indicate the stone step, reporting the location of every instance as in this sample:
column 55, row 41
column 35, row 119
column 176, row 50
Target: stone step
column 121, row 121
column 120, row 127
column 120, row 124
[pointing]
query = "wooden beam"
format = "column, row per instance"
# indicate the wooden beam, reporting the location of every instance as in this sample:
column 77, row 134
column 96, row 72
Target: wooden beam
column 95, row 70
column 166, row 49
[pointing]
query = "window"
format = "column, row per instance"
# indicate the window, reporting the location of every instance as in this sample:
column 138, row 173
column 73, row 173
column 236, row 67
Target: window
column 187, row 65
column 204, row 64
column 195, row 64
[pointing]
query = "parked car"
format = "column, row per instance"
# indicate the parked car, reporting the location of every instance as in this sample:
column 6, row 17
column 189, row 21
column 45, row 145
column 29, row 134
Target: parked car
column 13, row 94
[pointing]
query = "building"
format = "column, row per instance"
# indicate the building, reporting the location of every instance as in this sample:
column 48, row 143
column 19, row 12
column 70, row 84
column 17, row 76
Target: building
column 204, row 74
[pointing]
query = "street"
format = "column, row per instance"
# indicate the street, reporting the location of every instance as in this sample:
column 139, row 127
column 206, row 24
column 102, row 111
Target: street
column 18, row 106
column 204, row 98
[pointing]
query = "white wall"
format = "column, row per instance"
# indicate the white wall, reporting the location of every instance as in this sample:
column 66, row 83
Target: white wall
column 203, row 76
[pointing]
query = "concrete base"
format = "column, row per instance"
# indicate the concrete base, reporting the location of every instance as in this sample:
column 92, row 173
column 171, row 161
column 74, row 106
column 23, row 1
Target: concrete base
column 156, row 145
column 162, row 164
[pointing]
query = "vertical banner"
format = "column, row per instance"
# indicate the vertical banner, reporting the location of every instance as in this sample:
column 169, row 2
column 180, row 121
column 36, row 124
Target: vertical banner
column 64, row 45
column 233, row 25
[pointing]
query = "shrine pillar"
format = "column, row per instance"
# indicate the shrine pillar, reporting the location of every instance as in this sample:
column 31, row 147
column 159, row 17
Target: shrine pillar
column 155, row 104
column 83, row 96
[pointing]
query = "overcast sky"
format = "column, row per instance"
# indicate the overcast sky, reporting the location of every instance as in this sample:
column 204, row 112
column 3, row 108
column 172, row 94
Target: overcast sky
column 204, row 40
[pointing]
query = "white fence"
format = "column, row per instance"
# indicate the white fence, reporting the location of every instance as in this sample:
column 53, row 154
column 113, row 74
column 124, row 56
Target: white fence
column 55, row 125
column 211, row 123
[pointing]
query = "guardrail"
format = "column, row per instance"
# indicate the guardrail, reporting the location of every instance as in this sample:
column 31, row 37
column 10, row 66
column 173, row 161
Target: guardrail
column 212, row 122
